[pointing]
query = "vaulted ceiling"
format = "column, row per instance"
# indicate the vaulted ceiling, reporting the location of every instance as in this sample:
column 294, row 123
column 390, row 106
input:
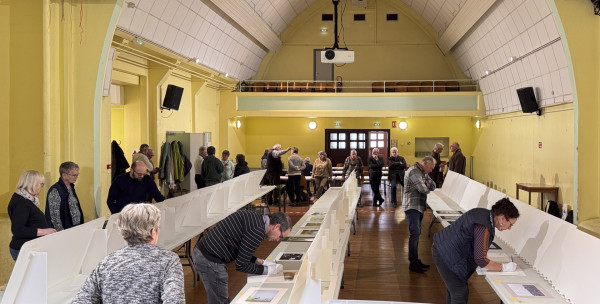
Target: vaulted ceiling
column 505, row 44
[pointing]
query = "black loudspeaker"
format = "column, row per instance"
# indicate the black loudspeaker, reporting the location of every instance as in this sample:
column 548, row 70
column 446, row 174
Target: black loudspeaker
column 172, row 97
column 528, row 102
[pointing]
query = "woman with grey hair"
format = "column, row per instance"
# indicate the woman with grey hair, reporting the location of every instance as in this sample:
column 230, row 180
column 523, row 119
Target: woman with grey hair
column 27, row 221
column 139, row 271
column 322, row 173
column 63, row 210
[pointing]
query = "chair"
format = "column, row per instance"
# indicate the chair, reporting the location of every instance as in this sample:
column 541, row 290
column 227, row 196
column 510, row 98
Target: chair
column 320, row 87
column 282, row 86
column 294, row 86
column 401, row 86
column 377, row 87
column 439, row 86
column 452, row 86
column 329, row 86
column 306, row 86
column 413, row 86
column 258, row 87
column 271, row 87
column 426, row 86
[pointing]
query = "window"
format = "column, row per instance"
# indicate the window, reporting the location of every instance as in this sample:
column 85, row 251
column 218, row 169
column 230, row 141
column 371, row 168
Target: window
column 327, row 17
column 391, row 17
column 360, row 17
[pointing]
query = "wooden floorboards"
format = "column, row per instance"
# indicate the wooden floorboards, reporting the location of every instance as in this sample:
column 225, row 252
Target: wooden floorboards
column 378, row 266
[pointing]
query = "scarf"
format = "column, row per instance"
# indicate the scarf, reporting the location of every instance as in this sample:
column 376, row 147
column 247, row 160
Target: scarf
column 22, row 192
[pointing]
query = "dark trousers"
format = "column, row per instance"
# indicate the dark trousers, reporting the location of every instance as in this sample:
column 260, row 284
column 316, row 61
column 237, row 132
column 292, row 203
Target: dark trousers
column 375, row 181
column 394, row 180
column 292, row 187
column 457, row 292
column 274, row 179
column 199, row 181
column 14, row 253
column 414, row 219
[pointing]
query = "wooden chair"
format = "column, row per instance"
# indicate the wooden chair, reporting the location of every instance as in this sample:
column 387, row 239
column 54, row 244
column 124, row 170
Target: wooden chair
column 426, row 86
column 401, row 86
column 377, row 87
column 294, row 86
column 282, row 86
column 452, row 86
column 258, row 87
column 271, row 87
column 306, row 86
column 320, row 87
column 413, row 86
column 439, row 86
column 329, row 86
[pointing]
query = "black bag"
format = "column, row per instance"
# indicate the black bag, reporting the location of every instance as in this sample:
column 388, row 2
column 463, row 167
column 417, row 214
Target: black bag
column 552, row 208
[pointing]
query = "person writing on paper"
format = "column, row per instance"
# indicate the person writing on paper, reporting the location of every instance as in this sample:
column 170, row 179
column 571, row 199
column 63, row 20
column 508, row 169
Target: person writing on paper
column 236, row 238
column 27, row 221
column 459, row 248
column 139, row 272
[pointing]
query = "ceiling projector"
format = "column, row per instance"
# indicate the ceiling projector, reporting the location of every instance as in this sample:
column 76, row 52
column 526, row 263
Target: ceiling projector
column 337, row 56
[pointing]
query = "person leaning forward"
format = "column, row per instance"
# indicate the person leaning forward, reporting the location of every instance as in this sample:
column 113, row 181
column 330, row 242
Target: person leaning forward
column 133, row 187
column 236, row 238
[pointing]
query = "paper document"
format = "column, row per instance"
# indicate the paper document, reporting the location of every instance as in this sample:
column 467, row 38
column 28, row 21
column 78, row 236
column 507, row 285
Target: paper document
column 526, row 290
column 483, row 271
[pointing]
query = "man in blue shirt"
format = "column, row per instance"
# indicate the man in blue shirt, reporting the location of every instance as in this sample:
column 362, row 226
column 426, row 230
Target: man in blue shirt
column 133, row 187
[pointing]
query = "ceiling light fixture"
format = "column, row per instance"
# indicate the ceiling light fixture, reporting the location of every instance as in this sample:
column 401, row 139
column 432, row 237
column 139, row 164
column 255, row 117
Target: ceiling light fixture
column 478, row 124
column 238, row 124
column 487, row 72
column 312, row 125
column 403, row 125
column 197, row 60
column 511, row 59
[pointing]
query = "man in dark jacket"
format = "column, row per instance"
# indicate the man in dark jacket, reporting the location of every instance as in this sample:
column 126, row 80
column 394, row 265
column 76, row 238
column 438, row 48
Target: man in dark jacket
column 437, row 174
column 274, row 171
column 212, row 168
column 63, row 210
column 132, row 188
column 397, row 165
column 457, row 162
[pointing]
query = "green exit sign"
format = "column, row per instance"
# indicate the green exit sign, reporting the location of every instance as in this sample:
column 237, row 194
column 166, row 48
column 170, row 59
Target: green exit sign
column 338, row 124
column 377, row 124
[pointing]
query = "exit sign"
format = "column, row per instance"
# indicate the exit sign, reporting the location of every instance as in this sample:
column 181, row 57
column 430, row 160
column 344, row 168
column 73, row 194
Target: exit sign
column 377, row 124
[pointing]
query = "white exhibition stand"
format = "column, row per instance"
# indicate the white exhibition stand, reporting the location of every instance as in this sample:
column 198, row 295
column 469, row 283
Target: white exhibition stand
column 318, row 274
column 553, row 254
column 51, row 269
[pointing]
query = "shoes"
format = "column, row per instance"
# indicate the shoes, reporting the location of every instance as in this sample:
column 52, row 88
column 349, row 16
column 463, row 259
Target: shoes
column 424, row 266
column 415, row 267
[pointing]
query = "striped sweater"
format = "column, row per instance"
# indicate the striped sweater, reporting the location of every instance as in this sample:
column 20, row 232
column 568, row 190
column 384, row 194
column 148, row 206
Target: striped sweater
column 235, row 238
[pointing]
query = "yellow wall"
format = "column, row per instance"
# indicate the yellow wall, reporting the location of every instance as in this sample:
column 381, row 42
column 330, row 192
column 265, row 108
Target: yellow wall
column 582, row 29
column 506, row 151
column 117, row 123
column 5, row 179
column 404, row 49
column 264, row 132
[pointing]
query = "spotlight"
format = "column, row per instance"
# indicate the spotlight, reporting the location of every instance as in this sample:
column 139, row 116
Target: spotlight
column 312, row 125
column 238, row 124
column 197, row 60
column 478, row 124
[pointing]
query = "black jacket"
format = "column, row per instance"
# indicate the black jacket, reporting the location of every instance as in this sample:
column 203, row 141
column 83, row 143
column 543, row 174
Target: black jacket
column 241, row 168
column 25, row 219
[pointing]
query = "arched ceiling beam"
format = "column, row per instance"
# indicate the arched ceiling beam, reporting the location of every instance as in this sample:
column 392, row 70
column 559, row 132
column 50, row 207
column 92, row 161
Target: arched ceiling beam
column 468, row 15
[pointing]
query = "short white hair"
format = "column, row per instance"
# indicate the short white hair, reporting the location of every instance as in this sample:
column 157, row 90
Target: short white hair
column 394, row 149
column 276, row 145
column 136, row 222
column 438, row 146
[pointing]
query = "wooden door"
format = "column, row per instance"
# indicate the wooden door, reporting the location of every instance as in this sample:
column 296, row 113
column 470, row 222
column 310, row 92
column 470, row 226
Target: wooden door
column 339, row 143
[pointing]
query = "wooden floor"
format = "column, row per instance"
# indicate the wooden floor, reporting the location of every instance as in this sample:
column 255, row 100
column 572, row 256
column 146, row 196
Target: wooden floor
column 378, row 266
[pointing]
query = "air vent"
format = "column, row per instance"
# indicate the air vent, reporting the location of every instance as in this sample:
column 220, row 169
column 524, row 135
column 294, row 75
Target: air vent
column 327, row 17
column 359, row 17
column 392, row 17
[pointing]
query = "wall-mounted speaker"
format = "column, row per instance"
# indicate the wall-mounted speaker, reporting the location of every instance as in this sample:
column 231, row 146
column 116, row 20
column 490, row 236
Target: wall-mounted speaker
column 528, row 102
column 172, row 97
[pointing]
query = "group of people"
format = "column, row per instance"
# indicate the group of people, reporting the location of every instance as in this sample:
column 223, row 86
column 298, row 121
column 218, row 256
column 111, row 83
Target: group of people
column 210, row 170
column 63, row 209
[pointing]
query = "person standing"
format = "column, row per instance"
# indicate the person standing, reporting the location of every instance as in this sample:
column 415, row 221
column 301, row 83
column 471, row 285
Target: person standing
column 321, row 174
column 200, row 183
column 463, row 246
column 145, row 154
column 396, row 167
column 295, row 167
column 417, row 184
column 140, row 272
column 27, row 221
column 236, row 238
column 132, row 188
column 353, row 163
column 308, row 168
column 212, row 168
column 228, row 166
column 437, row 174
column 274, row 171
column 457, row 162
column 241, row 166
column 63, row 209
column 375, row 173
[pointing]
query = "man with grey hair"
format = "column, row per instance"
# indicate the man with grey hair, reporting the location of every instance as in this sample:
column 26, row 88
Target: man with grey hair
column 274, row 171
column 143, row 154
column 457, row 162
column 236, row 238
column 63, row 209
column 200, row 183
column 139, row 271
column 396, row 166
column 414, row 198
column 132, row 188
column 437, row 174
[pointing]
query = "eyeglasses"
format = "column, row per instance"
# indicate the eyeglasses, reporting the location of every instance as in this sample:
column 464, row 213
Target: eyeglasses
column 510, row 223
column 74, row 175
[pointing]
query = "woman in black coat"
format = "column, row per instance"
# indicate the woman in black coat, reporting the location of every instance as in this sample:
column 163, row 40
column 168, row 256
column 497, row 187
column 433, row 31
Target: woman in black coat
column 241, row 166
column 27, row 221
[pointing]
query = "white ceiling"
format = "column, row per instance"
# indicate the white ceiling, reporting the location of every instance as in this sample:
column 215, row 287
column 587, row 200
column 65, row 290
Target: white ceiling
column 523, row 29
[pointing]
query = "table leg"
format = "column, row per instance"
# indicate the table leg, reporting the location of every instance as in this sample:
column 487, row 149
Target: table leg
column 517, row 192
column 529, row 197
column 542, row 198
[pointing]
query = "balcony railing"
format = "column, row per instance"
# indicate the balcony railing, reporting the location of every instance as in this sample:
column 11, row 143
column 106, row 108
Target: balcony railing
column 378, row 86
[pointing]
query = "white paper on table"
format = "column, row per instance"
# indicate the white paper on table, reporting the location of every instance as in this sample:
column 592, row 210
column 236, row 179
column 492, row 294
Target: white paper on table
column 496, row 255
column 518, row 272
column 526, row 290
